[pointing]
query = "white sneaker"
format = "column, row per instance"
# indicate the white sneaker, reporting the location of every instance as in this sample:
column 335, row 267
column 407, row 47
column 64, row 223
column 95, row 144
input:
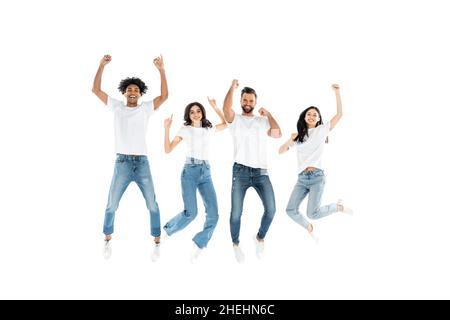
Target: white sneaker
column 314, row 237
column 195, row 253
column 259, row 246
column 346, row 209
column 312, row 234
column 107, row 249
column 238, row 254
column 156, row 253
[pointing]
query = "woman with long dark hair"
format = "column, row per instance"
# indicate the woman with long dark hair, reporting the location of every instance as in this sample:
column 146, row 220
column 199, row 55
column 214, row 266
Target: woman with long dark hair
column 196, row 173
column 309, row 140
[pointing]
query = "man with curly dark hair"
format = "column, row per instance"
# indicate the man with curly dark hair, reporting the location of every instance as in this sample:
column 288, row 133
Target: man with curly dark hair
column 130, row 126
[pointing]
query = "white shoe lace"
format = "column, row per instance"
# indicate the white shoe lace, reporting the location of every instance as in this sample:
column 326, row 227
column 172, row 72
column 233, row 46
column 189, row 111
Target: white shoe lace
column 314, row 237
column 155, row 254
column 195, row 253
column 259, row 245
column 107, row 249
column 345, row 209
column 239, row 255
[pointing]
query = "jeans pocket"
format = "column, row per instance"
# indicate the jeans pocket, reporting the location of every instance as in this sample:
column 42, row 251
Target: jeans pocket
column 320, row 179
column 207, row 172
column 318, row 173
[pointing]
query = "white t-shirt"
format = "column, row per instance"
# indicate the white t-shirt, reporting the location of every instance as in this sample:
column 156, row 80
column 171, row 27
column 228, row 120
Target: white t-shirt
column 309, row 152
column 197, row 141
column 250, row 140
column 130, row 126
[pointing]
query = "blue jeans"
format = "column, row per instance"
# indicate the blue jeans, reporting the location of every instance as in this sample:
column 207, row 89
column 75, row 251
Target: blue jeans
column 130, row 168
column 243, row 178
column 196, row 174
column 312, row 182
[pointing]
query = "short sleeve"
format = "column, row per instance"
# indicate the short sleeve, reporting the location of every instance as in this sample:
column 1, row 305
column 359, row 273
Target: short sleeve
column 323, row 130
column 265, row 123
column 327, row 127
column 232, row 125
column 148, row 107
column 183, row 132
column 113, row 104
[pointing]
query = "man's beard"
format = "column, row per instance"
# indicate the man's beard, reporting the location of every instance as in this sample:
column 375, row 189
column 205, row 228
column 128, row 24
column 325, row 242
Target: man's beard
column 247, row 109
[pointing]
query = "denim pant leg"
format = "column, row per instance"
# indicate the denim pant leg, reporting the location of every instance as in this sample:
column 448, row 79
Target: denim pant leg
column 189, row 189
column 120, row 181
column 143, row 178
column 263, row 187
column 241, row 182
column 298, row 194
column 314, row 210
column 206, row 189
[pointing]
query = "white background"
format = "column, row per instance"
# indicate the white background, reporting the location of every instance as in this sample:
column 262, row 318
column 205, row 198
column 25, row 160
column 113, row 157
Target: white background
column 387, row 157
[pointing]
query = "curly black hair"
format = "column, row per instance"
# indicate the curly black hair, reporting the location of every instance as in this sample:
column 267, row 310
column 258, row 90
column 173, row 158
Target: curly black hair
column 136, row 81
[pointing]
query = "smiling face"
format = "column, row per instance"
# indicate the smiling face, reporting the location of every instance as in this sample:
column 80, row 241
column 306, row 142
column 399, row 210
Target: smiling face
column 248, row 102
column 312, row 117
column 132, row 93
column 196, row 115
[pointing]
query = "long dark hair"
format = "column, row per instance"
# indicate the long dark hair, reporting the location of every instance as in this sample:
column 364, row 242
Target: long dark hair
column 302, row 127
column 187, row 119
